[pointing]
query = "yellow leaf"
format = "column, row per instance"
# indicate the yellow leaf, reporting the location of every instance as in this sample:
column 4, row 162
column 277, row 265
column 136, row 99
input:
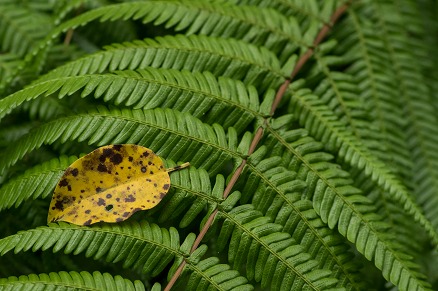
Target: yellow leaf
column 109, row 185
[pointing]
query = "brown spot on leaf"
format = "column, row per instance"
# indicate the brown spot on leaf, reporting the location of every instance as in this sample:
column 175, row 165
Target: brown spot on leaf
column 69, row 188
column 166, row 186
column 63, row 183
column 87, row 211
column 101, row 202
column 130, row 159
column 102, row 168
column 126, row 214
column 98, row 190
column 119, row 219
column 75, row 172
column 59, row 205
column 143, row 169
column 130, row 198
column 145, row 154
column 109, row 195
column 82, row 191
column 88, row 222
column 116, row 159
column 117, row 147
column 162, row 195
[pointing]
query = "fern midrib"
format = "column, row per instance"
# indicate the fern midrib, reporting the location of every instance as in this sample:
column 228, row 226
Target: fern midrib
column 304, row 219
column 266, row 247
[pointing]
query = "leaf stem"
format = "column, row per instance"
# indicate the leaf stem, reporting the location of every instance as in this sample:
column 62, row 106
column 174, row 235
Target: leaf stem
column 179, row 167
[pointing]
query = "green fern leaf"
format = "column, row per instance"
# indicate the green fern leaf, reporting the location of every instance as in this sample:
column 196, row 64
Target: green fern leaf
column 268, row 255
column 139, row 245
column 160, row 130
column 67, row 280
column 222, row 101
column 36, row 182
column 210, row 274
column 231, row 58
column 277, row 194
column 324, row 126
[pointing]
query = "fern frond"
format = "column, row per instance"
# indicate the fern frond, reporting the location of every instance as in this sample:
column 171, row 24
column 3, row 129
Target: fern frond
column 422, row 128
column 277, row 194
column 17, row 30
column 302, row 154
column 67, row 280
column 209, row 273
column 163, row 131
column 375, row 76
column 320, row 121
column 226, row 57
column 138, row 245
column 339, row 204
column 35, row 182
column 256, row 25
column 189, row 194
column 317, row 10
column 222, row 101
column 269, row 255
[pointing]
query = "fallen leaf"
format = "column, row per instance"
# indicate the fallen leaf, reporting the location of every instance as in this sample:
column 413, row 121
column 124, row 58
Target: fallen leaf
column 109, row 185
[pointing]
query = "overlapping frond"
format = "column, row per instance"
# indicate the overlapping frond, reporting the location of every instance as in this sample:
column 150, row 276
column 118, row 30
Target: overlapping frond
column 338, row 170
column 422, row 125
column 264, row 253
column 319, row 120
column 211, row 274
column 222, row 100
column 225, row 57
column 138, row 245
column 17, row 30
column 67, row 280
column 259, row 26
column 302, row 154
column 163, row 131
column 190, row 193
column 36, row 182
column 277, row 193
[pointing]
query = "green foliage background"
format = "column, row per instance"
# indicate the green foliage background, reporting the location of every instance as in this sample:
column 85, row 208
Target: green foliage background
column 340, row 192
